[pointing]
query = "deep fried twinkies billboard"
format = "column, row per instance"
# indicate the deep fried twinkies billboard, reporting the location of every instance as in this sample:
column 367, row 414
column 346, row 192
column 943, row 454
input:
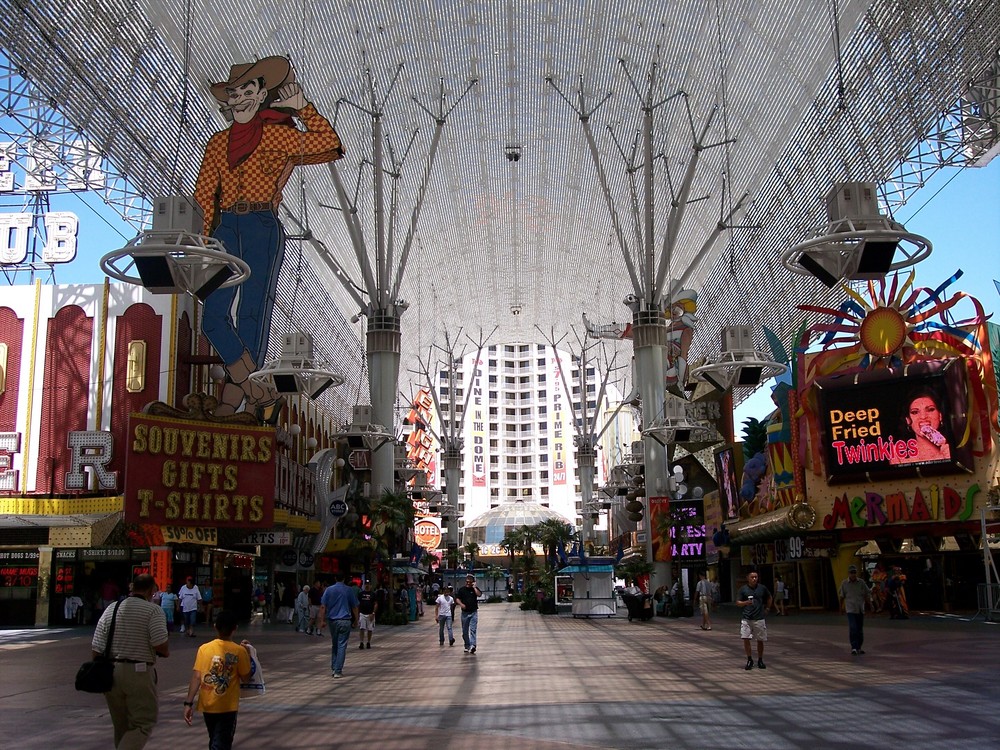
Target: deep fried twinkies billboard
column 893, row 424
column 184, row 473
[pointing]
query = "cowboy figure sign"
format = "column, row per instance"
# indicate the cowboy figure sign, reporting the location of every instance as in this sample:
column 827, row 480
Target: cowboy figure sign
column 239, row 188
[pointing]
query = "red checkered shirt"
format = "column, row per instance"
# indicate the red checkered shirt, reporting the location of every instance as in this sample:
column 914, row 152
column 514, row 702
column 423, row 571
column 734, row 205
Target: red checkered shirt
column 261, row 177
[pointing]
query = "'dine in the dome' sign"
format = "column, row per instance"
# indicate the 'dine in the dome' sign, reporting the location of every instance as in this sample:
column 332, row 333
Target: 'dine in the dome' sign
column 183, row 473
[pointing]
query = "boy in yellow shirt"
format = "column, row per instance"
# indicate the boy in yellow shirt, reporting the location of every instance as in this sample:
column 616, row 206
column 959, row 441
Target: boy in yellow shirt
column 219, row 668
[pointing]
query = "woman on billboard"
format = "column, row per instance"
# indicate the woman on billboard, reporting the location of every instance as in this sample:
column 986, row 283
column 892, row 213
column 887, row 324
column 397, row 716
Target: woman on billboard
column 924, row 421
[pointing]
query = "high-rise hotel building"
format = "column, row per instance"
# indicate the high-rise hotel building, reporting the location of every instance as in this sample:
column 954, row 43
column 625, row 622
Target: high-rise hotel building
column 519, row 416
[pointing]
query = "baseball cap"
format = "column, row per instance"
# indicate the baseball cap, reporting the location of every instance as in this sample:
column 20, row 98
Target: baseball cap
column 853, row 569
column 190, row 579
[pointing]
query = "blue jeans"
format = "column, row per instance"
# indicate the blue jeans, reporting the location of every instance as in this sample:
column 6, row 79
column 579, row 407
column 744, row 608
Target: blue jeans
column 469, row 622
column 856, row 629
column 445, row 622
column 340, row 632
column 221, row 730
column 258, row 239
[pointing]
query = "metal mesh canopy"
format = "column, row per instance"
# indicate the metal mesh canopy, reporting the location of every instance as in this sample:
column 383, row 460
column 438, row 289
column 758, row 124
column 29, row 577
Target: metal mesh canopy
column 793, row 96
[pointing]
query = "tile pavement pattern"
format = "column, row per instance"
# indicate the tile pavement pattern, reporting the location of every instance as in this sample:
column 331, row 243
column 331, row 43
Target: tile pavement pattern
column 540, row 683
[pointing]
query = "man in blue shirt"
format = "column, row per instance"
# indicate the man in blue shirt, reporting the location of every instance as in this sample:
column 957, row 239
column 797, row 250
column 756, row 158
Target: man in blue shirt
column 340, row 607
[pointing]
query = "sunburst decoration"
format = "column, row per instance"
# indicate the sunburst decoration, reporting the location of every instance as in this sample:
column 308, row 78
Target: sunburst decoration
column 898, row 324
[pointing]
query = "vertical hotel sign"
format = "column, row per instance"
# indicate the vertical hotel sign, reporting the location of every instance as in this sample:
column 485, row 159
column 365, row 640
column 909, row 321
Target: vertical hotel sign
column 558, row 426
column 478, row 428
column 187, row 473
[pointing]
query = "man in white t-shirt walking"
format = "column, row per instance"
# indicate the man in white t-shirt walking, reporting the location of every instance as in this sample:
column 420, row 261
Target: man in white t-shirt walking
column 446, row 614
column 190, row 598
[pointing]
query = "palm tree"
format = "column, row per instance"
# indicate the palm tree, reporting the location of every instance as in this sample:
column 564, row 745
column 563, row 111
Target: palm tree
column 554, row 534
column 451, row 556
column 471, row 549
column 524, row 537
column 392, row 519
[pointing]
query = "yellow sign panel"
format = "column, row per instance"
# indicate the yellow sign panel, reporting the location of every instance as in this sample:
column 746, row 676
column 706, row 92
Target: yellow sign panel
column 190, row 534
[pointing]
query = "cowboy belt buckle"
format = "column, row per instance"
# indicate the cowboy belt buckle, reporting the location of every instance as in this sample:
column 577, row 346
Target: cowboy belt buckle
column 241, row 207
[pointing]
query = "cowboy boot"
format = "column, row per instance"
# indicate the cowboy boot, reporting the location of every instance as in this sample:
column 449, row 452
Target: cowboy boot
column 229, row 400
column 239, row 373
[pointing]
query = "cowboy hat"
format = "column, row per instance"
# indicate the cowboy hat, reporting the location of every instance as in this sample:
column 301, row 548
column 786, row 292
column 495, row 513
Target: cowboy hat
column 274, row 70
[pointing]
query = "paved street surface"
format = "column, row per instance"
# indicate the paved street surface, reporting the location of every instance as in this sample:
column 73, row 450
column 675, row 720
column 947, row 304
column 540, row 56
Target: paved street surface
column 555, row 682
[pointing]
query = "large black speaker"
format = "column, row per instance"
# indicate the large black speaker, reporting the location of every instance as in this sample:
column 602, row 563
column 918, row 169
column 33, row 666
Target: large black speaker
column 815, row 266
column 217, row 279
column 749, row 375
column 876, row 257
column 718, row 383
column 285, row 384
column 154, row 272
column 322, row 387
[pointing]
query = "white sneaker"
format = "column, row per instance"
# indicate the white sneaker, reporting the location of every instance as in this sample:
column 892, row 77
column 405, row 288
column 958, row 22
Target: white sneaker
column 182, row 629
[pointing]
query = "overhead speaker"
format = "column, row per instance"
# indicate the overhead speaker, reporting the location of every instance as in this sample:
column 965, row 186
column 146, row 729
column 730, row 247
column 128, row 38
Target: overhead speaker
column 216, row 280
column 749, row 375
column 876, row 259
column 718, row 383
column 154, row 272
column 322, row 387
column 817, row 266
column 285, row 383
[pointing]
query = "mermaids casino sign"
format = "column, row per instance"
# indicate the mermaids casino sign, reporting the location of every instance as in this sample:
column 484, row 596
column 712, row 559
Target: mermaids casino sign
column 895, row 424
column 185, row 473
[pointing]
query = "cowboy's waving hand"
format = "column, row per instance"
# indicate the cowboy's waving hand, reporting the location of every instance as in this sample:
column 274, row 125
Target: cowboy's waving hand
column 290, row 96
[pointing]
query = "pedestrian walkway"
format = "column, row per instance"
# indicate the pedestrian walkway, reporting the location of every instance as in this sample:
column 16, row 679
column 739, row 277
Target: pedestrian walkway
column 541, row 683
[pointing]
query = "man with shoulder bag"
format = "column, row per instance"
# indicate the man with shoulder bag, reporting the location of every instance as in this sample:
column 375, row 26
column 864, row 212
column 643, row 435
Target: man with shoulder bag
column 139, row 636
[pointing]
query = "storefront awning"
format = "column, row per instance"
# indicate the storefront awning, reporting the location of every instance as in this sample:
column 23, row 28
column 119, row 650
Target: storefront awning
column 586, row 569
column 16, row 521
column 403, row 570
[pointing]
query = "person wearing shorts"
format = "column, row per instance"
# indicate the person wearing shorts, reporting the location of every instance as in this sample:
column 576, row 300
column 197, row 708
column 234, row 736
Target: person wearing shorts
column 756, row 600
column 367, row 609
column 189, row 597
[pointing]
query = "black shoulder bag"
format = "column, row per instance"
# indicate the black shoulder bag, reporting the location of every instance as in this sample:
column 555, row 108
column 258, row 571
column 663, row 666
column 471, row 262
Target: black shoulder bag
column 98, row 676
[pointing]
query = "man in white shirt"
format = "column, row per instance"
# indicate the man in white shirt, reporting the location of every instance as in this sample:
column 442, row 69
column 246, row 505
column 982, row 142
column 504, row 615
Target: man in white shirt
column 445, row 615
column 190, row 598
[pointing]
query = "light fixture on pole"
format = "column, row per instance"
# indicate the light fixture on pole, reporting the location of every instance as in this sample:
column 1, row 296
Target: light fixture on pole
column 677, row 426
column 739, row 364
column 362, row 433
column 174, row 257
column 295, row 372
column 858, row 243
